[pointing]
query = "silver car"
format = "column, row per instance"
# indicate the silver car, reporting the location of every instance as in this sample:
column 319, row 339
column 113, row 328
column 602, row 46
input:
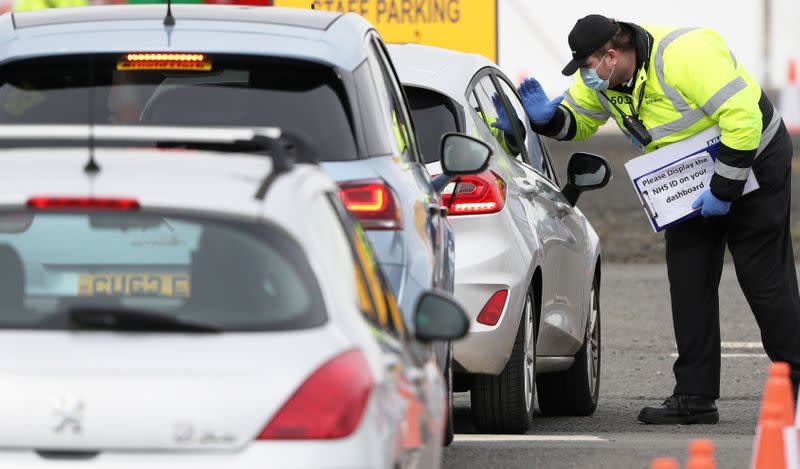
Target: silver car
column 527, row 260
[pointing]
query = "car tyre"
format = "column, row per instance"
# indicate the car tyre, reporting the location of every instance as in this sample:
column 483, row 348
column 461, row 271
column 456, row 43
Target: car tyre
column 505, row 403
column 575, row 391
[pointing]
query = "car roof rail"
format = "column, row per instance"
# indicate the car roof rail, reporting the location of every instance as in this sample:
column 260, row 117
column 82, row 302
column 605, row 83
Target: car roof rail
column 283, row 147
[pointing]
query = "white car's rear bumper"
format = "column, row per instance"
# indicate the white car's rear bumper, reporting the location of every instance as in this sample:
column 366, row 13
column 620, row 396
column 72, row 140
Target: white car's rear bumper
column 288, row 455
column 373, row 445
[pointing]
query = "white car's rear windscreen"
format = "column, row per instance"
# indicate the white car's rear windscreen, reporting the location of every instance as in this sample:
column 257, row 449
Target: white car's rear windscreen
column 231, row 275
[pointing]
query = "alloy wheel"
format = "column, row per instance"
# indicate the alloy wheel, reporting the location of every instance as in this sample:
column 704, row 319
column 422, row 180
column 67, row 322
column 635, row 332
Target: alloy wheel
column 593, row 344
column 530, row 352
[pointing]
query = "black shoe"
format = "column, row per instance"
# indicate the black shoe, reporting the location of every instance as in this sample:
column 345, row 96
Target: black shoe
column 682, row 409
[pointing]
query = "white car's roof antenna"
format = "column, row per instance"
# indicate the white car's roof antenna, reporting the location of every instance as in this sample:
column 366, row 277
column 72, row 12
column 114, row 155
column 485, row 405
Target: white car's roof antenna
column 91, row 167
column 169, row 20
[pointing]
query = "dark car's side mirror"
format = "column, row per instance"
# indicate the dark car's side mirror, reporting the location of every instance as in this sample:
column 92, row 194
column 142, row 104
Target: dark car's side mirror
column 461, row 155
column 585, row 172
column 438, row 317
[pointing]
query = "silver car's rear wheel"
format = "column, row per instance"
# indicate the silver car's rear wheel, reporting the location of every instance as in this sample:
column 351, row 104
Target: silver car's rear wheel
column 593, row 345
column 576, row 390
column 504, row 403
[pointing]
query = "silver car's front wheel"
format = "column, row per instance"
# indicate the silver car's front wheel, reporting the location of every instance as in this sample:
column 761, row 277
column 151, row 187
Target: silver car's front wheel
column 504, row 403
column 576, row 390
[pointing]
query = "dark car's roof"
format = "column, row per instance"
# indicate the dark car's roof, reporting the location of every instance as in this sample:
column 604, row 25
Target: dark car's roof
column 325, row 37
column 280, row 16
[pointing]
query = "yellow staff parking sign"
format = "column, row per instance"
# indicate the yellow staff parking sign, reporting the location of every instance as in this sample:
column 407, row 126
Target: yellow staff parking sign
column 462, row 25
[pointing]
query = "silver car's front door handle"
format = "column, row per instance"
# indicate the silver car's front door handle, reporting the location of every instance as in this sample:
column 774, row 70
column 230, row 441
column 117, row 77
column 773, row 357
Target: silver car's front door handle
column 528, row 188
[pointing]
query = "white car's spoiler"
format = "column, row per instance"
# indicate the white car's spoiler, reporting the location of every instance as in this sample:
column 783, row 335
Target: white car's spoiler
column 284, row 148
column 132, row 133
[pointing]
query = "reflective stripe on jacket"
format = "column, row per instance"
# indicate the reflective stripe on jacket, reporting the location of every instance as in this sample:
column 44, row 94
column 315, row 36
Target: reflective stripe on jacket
column 692, row 82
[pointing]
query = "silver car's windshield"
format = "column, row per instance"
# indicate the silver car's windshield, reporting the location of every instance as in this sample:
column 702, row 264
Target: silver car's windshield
column 305, row 98
column 230, row 275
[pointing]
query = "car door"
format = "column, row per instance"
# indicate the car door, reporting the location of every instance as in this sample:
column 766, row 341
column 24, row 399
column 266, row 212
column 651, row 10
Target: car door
column 505, row 162
column 417, row 399
column 571, row 254
column 559, row 229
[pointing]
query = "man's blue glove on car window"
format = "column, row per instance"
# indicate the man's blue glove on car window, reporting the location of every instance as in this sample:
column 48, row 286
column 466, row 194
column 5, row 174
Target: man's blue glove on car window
column 538, row 106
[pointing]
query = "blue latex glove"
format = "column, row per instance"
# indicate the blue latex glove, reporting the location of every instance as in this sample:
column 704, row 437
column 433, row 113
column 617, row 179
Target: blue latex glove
column 539, row 108
column 711, row 205
column 502, row 122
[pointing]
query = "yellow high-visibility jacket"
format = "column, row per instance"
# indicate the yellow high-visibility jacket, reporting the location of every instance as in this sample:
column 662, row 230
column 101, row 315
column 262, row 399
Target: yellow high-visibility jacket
column 691, row 82
column 27, row 5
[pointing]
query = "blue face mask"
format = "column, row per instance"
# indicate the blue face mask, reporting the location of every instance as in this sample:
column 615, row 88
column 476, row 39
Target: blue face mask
column 593, row 80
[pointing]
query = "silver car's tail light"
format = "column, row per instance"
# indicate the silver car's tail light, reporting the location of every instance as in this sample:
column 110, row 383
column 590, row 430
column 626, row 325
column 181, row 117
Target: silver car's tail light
column 373, row 203
column 475, row 195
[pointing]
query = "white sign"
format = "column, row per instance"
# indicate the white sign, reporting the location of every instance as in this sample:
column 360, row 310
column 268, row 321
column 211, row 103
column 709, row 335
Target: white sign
column 670, row 179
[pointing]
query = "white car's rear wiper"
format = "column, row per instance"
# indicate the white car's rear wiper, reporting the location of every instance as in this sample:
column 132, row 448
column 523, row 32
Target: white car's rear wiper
column 134, row 320
column 283, row 147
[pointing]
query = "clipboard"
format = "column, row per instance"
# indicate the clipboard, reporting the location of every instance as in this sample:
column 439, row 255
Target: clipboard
column 669, row 179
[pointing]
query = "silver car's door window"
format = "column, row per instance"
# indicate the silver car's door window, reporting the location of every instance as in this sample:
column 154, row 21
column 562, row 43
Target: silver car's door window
column 394, row 118
column 375, row 298
column 487, row 110
column 535, row 154
column 391, row 93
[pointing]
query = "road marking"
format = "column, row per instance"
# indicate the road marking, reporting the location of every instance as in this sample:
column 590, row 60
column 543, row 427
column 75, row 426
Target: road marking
column 469, row 437
column 741, row 345
column 733, row 355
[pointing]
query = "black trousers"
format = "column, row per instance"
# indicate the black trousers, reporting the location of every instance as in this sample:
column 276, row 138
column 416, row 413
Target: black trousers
column 757, row 233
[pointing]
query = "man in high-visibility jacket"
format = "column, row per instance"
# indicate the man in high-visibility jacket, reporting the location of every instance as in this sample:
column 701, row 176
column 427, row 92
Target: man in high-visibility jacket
column 678, row 82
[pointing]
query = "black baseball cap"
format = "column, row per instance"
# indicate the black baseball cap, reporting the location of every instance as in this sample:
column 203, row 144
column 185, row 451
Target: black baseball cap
column 587, row 36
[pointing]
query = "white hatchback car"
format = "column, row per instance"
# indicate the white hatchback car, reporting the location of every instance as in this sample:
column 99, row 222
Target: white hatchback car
column 166, row 306
column 527, row 260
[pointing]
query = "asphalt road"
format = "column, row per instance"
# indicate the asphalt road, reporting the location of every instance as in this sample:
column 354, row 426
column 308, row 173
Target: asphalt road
column 637, row 348
column 615, row 211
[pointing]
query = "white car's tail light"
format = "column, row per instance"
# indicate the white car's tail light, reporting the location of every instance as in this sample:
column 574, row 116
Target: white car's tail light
column 82, row 203
column 476, row 195
column 373, row 203
column 493, row 309
column 328, row 405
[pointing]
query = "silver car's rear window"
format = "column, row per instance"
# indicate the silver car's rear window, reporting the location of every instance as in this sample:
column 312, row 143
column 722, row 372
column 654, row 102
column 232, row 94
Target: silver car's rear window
column 306, row 98
column 233, row 275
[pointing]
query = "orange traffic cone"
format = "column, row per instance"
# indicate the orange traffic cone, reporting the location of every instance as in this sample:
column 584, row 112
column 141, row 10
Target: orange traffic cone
column 701, row 455
column 664, row 463
column 789, row 101
column 768, row 449
column 779, row 390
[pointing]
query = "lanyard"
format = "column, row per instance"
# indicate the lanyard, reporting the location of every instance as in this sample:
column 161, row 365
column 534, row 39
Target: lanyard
column 639, row 104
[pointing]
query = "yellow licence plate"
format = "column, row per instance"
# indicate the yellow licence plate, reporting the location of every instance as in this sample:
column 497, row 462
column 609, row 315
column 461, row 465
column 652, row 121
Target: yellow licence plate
column 134, row 284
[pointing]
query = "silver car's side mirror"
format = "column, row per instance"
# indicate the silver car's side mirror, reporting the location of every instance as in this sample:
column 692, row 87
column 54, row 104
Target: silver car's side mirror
column 585, row 172
column 438, row 317
column 461, row 155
